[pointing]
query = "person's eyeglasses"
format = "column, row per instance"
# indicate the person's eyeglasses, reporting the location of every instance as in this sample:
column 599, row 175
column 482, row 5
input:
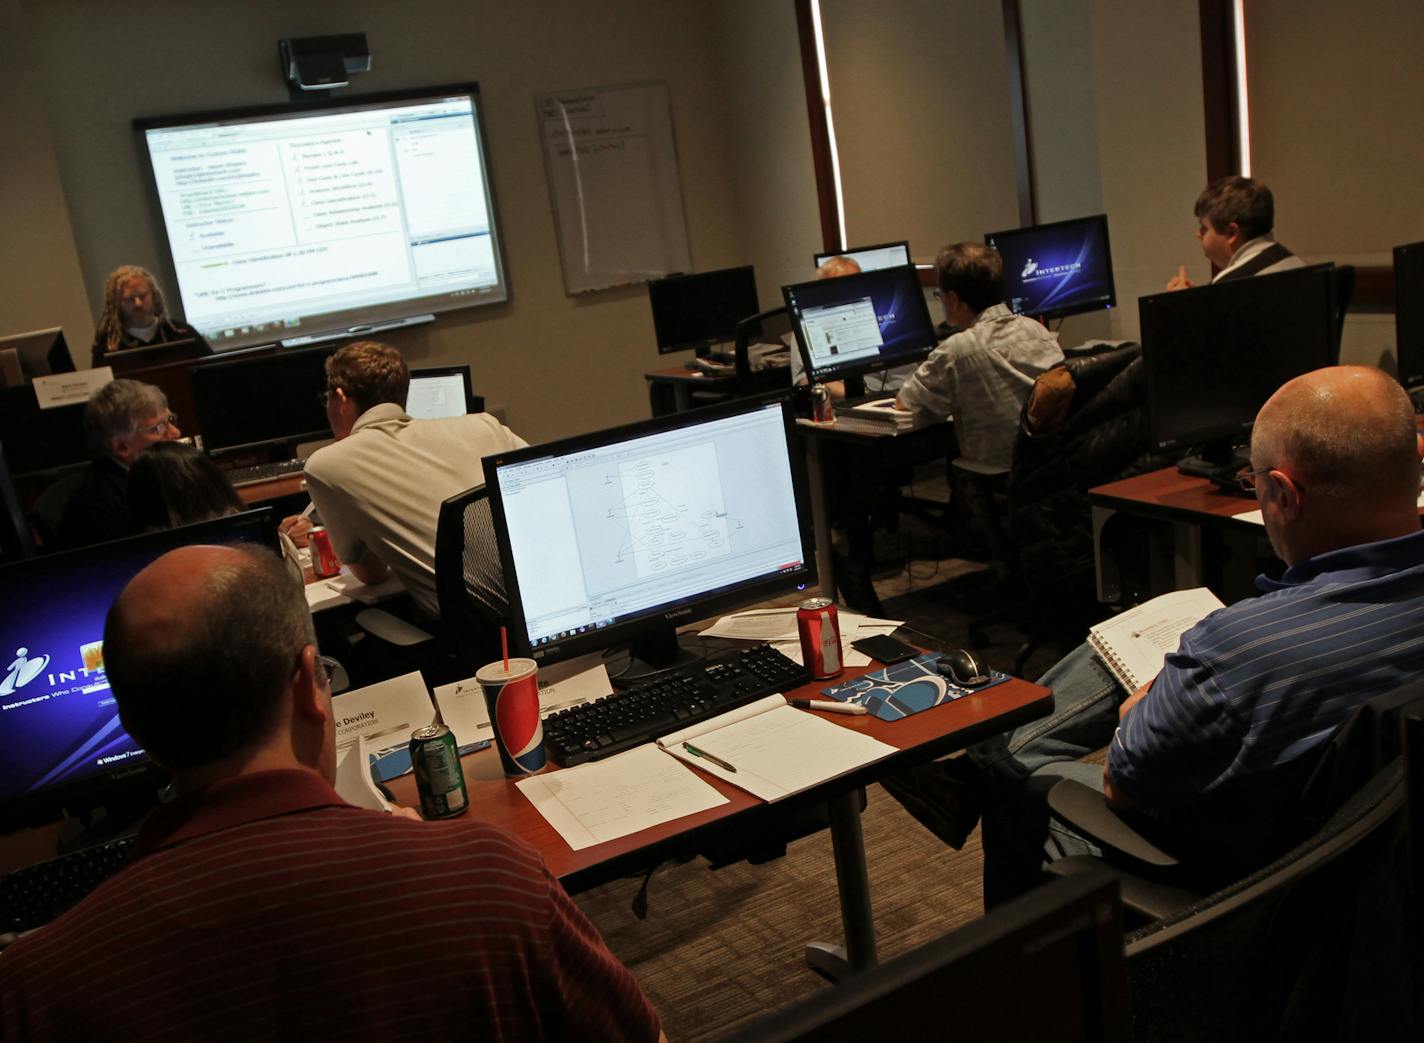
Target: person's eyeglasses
column 939, row 295
column 1246, row 478
column 158, row 428
column 329, row 667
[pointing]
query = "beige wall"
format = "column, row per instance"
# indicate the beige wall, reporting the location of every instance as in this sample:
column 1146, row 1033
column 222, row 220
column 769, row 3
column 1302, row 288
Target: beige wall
column 559, row 364
column 920, row 98
column 38, row 261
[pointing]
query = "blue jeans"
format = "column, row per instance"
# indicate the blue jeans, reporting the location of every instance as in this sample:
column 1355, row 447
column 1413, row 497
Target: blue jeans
column 1019, row 834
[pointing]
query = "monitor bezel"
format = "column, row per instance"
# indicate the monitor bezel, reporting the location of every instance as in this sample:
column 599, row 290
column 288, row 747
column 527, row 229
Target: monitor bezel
column 1413, row 313
column 1151, row 376
column 666, row 345
column 77, row 795
column 1072, row 309
column 821, row 258
column 39, row 350
column 472, row 405
column 347, row 319
column 212, row 367
column 857, row 368
column 661, row 618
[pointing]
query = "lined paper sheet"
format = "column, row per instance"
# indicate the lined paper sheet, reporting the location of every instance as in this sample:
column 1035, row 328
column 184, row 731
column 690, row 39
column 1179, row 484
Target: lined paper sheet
column 604, row 800
column 777, row 751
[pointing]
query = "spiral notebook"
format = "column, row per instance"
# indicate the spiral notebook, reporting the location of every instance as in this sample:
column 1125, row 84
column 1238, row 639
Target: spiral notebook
column 1133, row 644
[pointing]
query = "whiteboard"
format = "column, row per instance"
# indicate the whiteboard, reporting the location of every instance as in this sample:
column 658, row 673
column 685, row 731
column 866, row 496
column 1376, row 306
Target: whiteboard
column 613, row 182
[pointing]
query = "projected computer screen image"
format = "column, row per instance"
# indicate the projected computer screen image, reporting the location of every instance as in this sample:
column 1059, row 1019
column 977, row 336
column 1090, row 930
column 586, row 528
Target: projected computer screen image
column 697, row 311
column 438, row 392
column 1409, row 313
column 1212, row 355
column 59, row 725
column 859, row 323
column 1057, row 269
column 298, row 220
column 871, row 258
column 263, row 400
column 626, row 534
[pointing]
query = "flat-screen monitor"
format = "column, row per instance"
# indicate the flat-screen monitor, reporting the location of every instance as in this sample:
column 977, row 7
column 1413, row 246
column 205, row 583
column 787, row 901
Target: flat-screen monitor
column 314, row 218
column 127, row 360
column 1409, row 313
column 1047, row 965
column 869, row 258
column 63, row 746
column 697, row 311
column 441, row 391
column 1057, row 269
column 24, row 356
column 38, row 439
column 1213, row 354
column 264, row 400
column 628, row 533
column 858, row 323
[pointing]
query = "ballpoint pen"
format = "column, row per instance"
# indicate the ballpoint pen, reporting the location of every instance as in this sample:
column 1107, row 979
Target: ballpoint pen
column 708, row 757
column 828, row 706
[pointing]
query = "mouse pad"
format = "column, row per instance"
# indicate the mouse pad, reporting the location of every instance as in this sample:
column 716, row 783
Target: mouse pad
column 905, row 689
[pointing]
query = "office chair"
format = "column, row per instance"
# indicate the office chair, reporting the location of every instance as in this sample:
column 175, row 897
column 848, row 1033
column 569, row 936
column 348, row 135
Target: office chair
column 466, row 563
column 48, row 509
column 767, row 327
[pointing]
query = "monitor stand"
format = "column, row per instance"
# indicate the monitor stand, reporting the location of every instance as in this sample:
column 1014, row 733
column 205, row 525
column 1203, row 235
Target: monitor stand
column 117, row 817
column 657, row 652
column 717, row 354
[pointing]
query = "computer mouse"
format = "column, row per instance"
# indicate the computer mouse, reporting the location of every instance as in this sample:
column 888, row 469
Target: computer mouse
column 962, row 668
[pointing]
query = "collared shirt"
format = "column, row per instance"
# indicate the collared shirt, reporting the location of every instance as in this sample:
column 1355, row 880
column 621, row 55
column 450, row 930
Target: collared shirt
column 267, row 907
column 1250, row 249
column 981, row 377
column 379, row 490
column 1255, row 688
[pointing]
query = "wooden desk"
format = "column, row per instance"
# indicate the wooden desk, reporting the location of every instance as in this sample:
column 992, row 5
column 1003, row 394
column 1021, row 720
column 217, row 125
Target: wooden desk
column 671, row 390
column 922, row 737
column 1210, row 544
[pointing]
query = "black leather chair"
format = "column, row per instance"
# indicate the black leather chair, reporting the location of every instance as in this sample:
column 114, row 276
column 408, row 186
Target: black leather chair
column 1342, row 282
column 467, row 567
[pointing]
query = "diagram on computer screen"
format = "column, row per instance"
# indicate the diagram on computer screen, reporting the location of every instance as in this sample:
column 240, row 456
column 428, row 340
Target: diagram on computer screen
column 671, row 512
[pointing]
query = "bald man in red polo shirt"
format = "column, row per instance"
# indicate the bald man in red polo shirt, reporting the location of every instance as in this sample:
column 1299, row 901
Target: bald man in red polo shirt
column 260, row 904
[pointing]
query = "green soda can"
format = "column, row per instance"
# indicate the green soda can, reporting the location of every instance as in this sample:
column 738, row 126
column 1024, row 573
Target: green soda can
column 438, row 776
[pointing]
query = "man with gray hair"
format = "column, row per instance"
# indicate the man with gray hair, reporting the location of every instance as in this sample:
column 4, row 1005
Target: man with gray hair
column 258, row 898
column 1216, row 747
column 121, row 420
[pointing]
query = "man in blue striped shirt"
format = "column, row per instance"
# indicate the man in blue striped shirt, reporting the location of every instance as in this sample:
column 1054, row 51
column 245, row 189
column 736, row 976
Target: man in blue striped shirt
column 1216, row 747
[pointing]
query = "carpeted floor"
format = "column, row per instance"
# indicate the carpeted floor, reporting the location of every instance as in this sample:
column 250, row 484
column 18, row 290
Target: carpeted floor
column 719, row 948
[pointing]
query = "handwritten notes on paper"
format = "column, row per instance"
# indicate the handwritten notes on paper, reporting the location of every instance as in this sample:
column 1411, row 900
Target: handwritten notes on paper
column 604, row 800
column 613, row 179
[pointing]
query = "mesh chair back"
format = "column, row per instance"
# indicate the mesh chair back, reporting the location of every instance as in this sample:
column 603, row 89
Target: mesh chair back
column 469, row 580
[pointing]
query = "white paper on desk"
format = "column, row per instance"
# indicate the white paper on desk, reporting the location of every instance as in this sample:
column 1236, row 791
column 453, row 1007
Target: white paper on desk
column 777, row 752
column 321, row 595
column 765, row 624
column 353, row 776
column 366, row 593
column 463, row 707
column 385, row 709
column 603, row 800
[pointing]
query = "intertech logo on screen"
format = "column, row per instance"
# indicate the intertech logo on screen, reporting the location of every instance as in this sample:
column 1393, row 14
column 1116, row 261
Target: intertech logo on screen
column 27, row 667
column 1031, row 268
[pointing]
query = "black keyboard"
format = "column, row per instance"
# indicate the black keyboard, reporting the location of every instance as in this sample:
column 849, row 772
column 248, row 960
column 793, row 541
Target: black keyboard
column 240, row 476
column 672, row 701
column 33, row 896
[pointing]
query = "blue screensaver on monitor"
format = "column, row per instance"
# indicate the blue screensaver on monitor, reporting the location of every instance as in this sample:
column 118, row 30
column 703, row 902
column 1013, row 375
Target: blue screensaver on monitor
column 59, row 724
column 1057, row 269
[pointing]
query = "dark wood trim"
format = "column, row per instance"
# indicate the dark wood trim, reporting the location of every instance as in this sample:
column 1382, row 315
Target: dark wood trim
column 820, row 133
column 1018, row 113
column 1374, row 288
column 1219, row 89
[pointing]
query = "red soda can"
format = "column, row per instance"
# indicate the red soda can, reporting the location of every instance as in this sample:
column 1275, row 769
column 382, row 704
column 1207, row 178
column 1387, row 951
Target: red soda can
column 820, row 632
column 822, row 412
column 323, row 558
